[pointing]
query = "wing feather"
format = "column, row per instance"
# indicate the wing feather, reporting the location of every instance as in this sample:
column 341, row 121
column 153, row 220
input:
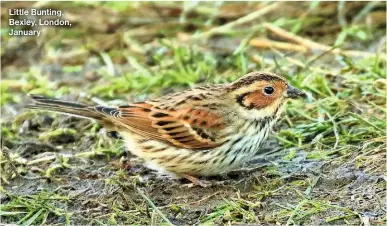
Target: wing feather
column 192, row 128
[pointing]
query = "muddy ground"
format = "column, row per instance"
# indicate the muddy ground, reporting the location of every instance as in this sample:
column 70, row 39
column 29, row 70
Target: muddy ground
column 323, row 165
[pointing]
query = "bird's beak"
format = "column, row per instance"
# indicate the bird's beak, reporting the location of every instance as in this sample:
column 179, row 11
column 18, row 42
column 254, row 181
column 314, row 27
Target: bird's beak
column 294, row 93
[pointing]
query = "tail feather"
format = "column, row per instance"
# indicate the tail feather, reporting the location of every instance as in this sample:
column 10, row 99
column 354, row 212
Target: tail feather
column 64, row 107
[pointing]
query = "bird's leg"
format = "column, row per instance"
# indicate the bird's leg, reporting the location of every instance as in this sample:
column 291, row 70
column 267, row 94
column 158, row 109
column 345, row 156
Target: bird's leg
column 196, row 181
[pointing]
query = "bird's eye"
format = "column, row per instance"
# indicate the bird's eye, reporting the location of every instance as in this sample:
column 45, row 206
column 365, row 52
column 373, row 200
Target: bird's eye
column 268, row 90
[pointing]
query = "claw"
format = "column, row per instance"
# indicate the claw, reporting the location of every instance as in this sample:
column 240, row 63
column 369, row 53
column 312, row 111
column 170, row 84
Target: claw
column 196, row 182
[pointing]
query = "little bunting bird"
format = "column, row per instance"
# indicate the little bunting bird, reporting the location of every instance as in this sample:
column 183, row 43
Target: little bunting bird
column 203, row 131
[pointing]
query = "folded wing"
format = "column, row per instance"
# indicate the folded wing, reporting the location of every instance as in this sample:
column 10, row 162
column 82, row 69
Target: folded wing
column 189, row 127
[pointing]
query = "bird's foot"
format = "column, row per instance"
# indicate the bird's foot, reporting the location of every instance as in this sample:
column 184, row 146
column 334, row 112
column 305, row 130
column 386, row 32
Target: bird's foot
column 196, row 182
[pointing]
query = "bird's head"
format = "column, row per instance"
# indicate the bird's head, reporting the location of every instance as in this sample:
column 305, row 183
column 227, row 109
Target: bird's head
column 262, row 94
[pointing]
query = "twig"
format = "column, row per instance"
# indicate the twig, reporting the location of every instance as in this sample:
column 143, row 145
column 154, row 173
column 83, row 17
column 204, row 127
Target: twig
column 291, row 60
column 364, row 11
column 265, row 43
column 242, row 20
column 205, row 198
column 314, row 58
column 341, row 14
column 154, row 206
column 314, row 45
column 43, row 159
column 295, row 38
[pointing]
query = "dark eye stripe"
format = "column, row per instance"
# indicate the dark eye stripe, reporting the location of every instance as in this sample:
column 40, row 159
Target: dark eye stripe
column 240, row 99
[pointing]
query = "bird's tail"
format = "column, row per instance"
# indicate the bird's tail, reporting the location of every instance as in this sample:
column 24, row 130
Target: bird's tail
column 63, row 107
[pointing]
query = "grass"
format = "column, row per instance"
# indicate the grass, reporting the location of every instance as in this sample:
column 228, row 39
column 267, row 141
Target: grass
column 327, row 153
column 36, row 209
